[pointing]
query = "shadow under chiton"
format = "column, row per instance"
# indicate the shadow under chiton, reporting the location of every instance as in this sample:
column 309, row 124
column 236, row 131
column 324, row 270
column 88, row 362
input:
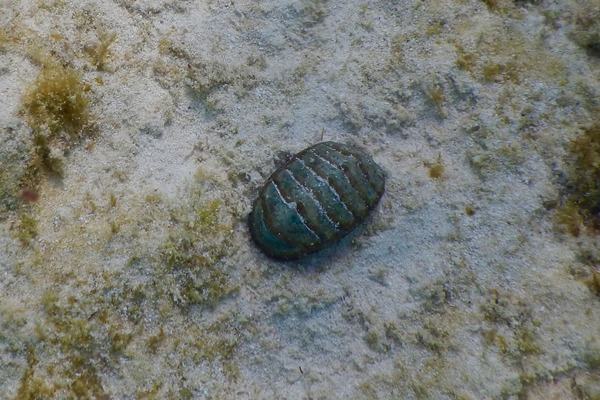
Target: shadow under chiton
column 316, row 198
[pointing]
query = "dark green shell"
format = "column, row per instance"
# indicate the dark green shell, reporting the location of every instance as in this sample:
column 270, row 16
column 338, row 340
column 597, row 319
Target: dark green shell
column 316, row 198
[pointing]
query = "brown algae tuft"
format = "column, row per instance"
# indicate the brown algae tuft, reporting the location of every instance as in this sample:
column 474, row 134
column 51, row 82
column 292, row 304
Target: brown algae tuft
column 586, row 25
column 56, row 101
column 57, row 108
column 583, row 189
column 436, row 168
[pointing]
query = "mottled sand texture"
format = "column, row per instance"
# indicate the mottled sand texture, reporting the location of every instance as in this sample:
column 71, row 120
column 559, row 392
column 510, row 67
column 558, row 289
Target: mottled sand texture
column 134, row 136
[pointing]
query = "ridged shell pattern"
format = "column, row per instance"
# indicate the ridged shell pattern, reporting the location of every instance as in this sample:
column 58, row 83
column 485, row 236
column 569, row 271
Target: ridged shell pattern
column 316, row 198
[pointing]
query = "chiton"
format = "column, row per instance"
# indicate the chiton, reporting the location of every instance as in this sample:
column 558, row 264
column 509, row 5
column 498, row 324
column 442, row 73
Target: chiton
column 316, row 198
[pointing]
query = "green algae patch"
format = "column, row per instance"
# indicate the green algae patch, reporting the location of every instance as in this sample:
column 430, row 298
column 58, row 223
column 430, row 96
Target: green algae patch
column 57, row 108
column 582, row 205
column 130, row 280
column 191, row 253
column 509, row 8
column 68, row 333
column 31, row 386
column 78, row 333
column 503, row 55
column 26, row 228
column 187, row 246
column 586, row 25
column 511, row 326
column 9, row 186
column 436, row 168
column 57, row 102
column 99, row 52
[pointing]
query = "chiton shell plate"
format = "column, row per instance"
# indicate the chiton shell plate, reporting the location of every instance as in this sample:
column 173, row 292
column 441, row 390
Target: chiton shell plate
column 316, row 198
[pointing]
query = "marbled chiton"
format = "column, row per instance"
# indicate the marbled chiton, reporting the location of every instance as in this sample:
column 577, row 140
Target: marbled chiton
column 316, row 198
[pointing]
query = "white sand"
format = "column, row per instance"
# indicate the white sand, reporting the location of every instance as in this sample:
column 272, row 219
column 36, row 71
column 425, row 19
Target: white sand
column 194, row 102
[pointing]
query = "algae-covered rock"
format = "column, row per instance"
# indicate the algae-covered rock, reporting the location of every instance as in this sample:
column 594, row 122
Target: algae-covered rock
column 13, row 155
column 586, row 25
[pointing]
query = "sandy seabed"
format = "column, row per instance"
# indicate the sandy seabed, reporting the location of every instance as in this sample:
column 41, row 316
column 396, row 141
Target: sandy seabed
column 136, row 134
